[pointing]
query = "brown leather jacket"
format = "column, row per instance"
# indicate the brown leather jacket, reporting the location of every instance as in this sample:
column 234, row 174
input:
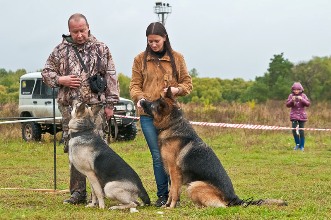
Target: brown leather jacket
column 149, row 83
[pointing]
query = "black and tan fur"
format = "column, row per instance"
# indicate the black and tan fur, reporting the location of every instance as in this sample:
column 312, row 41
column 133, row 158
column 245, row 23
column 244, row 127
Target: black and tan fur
column 190, row 161
column 108, row 174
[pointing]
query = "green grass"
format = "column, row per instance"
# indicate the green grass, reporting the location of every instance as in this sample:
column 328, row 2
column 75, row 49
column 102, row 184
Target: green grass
column 261, row 164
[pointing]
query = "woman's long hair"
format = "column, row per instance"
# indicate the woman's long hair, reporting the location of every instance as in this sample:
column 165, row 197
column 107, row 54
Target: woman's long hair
column 157, row 28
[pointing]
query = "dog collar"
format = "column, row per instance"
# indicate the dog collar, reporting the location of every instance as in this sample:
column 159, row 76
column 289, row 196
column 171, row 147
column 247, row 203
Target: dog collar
column 78, row 133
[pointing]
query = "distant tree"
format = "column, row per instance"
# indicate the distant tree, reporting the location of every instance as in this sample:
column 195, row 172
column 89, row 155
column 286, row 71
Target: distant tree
column 205, row 90
column 302, row 73
column 3, row 72
column 233, row 90
column 9, row 85
column 274, row 84
column 279, row 76
column 315, row 76
column 10, row 79
column 124, row 82
column 3, row 92
column 258, row 91
column 281, row 89
column 193, row 73
column 2, row 89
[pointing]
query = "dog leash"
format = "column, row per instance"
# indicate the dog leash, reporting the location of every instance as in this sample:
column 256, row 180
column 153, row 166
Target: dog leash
column 108, row 123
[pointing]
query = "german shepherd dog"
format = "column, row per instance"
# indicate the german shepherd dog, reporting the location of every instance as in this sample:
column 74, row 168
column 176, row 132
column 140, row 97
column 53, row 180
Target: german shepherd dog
column 189, row 161
column 108, row 174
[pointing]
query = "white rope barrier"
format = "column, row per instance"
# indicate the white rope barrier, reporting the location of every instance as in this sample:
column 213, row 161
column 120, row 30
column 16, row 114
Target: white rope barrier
column 224, row 125
column 29, row 120
column 247, row 126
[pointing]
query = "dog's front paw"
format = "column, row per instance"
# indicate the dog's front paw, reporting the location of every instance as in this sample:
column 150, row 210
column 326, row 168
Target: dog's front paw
column 173, row 204
column 91, row 204
column 115, row 207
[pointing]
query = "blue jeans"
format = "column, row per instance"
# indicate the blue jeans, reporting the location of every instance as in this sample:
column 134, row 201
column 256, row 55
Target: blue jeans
column 151, row 133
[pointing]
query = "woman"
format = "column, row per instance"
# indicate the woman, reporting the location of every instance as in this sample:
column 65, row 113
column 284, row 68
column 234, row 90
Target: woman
column 153, row 71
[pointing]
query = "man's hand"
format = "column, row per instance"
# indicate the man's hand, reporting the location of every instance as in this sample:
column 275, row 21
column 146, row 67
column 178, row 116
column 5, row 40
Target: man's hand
column 71, row 81
column 109, row 112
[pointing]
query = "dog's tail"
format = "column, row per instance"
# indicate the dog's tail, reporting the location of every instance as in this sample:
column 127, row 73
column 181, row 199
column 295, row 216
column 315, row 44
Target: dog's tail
column 250, row 201
column 143, row 195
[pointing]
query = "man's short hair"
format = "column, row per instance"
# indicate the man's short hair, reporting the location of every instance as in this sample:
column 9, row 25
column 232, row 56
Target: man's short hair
column 76, row 17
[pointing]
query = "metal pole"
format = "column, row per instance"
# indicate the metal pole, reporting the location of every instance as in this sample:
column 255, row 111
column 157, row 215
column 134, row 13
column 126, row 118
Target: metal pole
column 54, row 138
column 163, row 19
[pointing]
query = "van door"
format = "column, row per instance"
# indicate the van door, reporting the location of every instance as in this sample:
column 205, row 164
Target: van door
column 42, row 99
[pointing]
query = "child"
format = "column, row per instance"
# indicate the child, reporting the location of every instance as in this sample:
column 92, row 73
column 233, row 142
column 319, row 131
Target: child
column 297, row 101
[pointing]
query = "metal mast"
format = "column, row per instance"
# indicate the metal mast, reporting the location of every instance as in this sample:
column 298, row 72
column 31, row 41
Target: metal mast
column 162, row 10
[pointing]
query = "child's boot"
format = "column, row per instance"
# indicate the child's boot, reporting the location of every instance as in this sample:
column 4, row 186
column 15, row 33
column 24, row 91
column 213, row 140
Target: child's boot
column 302, row 144
column 297, row 142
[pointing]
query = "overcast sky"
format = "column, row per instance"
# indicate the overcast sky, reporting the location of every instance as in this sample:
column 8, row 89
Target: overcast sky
column 220, row 38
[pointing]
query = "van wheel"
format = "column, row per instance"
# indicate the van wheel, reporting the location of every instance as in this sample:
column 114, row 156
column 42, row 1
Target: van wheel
column 127, row 133
column 31, row 131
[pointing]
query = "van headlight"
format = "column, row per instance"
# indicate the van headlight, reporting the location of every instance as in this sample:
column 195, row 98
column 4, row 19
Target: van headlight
column 129, row 107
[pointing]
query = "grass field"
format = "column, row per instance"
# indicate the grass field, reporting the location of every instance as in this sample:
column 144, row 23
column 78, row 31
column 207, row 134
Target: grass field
column 261, row 164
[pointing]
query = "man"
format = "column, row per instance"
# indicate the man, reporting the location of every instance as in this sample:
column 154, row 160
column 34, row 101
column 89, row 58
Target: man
column 69, row 66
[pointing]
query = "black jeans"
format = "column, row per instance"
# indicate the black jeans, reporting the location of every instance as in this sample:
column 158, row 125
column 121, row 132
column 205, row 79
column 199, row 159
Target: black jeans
column 301, row 125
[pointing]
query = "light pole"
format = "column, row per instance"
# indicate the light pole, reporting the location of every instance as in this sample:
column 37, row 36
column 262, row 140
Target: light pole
column 162, row 9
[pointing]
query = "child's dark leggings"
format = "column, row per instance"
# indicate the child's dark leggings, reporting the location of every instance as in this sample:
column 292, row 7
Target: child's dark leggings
column 301, row 125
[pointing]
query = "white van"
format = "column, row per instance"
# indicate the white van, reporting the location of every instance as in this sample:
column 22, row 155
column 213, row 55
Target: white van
column 36, row 102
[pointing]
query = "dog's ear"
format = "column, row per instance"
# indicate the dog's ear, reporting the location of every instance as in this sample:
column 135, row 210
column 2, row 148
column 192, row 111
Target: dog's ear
column 80, row 108
column 75, row 102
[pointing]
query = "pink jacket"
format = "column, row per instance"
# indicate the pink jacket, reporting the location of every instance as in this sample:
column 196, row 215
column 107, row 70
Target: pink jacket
column 297, row 106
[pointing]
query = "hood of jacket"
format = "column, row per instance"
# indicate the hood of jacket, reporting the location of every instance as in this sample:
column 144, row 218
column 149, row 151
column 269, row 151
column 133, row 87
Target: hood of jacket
column 297, row 86
column 67, row 39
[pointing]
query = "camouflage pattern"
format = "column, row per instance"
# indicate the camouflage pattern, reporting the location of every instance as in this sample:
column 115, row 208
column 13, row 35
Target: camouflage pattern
column 98, row 111
column 77, row 181
column 64, row 61
column 97, row 59
column 66, row 116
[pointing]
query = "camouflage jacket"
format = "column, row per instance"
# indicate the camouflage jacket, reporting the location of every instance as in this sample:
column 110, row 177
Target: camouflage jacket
column 97, row 59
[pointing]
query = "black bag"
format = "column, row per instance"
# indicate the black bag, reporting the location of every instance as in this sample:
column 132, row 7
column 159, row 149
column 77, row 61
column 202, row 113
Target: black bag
column 98, row 83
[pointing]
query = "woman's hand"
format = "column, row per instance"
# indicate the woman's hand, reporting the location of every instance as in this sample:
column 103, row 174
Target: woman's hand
column 174, row 90
column 138, row 103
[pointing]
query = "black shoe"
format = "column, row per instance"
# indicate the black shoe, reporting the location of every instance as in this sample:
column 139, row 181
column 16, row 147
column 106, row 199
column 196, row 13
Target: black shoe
column 161, row 201
column 76, row 198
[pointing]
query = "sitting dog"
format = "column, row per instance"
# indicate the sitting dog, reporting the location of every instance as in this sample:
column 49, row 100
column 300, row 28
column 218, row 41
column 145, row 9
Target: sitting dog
column 108, row 174
column 188, row 160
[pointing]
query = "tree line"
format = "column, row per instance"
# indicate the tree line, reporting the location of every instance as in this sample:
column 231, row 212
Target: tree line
column 275, row 84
